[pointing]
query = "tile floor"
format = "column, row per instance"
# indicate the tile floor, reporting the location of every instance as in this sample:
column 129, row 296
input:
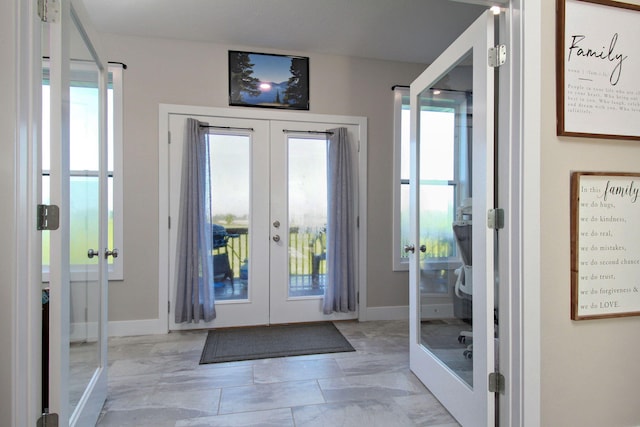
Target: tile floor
column 157, row 381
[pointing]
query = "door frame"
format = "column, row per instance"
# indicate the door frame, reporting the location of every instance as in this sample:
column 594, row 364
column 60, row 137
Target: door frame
column 165, row 110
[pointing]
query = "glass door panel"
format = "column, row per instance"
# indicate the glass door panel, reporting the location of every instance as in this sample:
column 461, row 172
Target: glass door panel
column 307, row 189
column 444, row 194
column 230, row 160
column 451, row 269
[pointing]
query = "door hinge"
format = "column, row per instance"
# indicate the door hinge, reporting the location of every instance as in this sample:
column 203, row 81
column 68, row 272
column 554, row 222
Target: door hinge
column 497, row 55
column 496, row 382
column 495, row 219
column 169, row 137
column 358, row 221
column 169, row 222
column 48, row 420
column 168, row 306
column 48, row 217
column 358, row 298
column 48, row 10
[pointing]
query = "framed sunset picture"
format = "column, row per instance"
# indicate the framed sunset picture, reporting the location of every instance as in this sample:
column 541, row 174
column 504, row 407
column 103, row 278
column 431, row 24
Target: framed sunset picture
column 268, row 80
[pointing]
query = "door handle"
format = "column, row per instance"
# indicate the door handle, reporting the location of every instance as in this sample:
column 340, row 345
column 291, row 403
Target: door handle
column 409, row 248
column 91, row 253
column 276, row 238
column 276, row 223
column 113, row 253
column 423, row 248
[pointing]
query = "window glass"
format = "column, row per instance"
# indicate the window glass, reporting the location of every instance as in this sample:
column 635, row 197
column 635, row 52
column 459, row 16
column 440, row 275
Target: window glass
column 84, row 162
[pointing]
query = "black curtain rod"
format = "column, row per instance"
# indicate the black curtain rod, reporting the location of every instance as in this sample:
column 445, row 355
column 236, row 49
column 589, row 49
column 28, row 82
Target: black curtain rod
column 124, row 66
column 226, row 128
column 394, row 87
column 308, row 131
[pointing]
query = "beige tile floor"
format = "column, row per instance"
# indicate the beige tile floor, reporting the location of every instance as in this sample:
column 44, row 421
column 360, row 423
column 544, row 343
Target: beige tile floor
column 157, row 381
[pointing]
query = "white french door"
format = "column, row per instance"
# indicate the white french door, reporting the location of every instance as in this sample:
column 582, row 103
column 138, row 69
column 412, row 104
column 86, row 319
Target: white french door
column 269, row 197
column 299, row 220
column 240, row 199
column 452, row 190
column 75, row 254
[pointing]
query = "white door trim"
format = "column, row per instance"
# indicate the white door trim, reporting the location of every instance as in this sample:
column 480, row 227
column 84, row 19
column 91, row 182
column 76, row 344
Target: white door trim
column 163, row 198
column 25, row 279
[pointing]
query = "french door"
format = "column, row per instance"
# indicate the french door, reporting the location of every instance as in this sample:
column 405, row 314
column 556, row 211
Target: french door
column 269, row 202
column 75, row 252
column 452, row 191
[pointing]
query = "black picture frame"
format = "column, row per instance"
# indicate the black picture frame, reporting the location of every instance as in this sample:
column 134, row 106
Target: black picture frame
column 268, row 80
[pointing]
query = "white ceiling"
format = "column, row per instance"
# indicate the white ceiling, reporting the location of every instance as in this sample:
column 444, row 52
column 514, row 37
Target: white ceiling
column 398, row 30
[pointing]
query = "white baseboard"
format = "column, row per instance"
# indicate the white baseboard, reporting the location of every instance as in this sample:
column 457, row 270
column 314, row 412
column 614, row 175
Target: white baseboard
column 401, row 312
column 127, row 328
column 396, row 312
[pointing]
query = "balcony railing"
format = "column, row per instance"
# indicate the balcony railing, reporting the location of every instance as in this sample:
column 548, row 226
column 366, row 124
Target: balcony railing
column 306, row 252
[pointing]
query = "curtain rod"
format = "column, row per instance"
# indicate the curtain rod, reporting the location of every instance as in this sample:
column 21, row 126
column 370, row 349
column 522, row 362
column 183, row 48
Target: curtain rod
column 226, row 127
column 307, row 131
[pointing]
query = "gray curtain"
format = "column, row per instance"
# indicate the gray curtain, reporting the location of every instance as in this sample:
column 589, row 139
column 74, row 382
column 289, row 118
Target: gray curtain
column 340, row 288
column 195, row 290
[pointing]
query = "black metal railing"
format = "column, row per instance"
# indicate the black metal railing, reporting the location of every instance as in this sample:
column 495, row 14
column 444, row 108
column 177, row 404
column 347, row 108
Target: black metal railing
column 307, row 251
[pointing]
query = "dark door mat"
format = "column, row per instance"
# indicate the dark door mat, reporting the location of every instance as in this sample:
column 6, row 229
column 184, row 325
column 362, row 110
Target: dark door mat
column 264, row 342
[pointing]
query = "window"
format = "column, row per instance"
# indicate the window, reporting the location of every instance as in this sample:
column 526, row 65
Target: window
column 445, row 170
column 83, row 166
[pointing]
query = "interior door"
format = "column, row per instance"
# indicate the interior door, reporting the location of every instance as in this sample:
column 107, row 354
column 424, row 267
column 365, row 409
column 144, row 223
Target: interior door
column 240, row 200
column 74, row 176
column 451, row 192
column 298, row 224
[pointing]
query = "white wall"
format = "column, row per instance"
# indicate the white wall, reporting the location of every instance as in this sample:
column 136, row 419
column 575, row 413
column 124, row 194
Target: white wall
column 590, row 369
column 164, row 71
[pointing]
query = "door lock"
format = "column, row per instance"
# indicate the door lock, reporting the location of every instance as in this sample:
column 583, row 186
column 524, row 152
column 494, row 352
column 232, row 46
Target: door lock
column 276, row 223
column 113, row 253
column 276, row 238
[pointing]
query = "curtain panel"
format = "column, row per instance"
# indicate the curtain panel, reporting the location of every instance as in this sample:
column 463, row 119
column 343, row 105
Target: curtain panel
column 340, row 289
column 195, row 299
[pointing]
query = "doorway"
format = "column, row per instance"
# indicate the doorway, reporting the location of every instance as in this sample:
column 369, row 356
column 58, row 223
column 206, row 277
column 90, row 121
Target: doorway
column 269, row 214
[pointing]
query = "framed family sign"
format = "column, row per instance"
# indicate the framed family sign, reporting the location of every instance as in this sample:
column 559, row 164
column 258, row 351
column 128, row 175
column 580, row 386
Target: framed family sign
column 598, row 64
column 605, row 245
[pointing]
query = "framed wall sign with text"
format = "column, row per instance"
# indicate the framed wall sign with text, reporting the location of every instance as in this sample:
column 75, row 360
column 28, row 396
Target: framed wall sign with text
column 598, row 69
column 605, row 245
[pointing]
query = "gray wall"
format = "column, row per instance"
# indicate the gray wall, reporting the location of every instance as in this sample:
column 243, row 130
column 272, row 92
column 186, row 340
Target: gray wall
column 164, row 71
column 590, row 369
